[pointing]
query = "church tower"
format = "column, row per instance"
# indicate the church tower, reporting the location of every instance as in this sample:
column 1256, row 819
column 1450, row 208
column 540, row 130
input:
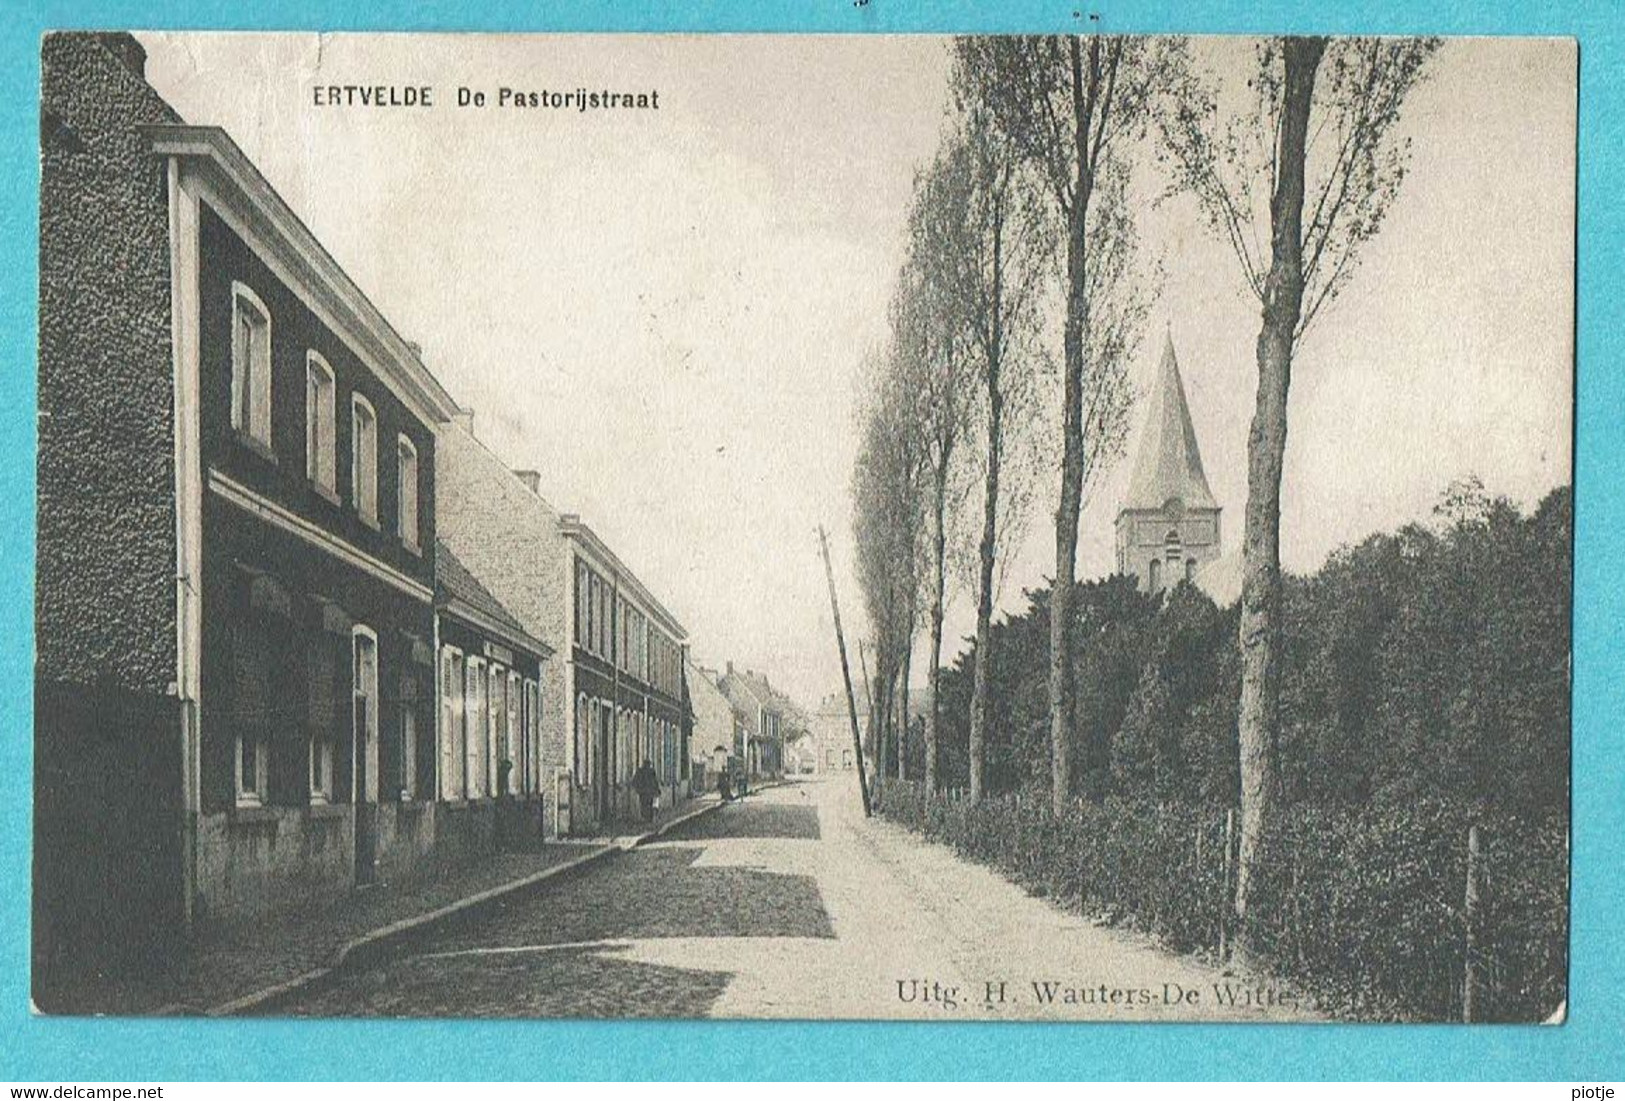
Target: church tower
column 1168, row 525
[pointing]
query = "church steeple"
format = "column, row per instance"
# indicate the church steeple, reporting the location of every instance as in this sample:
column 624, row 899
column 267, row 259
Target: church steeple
column 1168, row 525
column 1168, row 465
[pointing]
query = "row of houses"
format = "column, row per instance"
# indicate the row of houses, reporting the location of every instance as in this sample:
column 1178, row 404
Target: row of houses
column 298, row 628
column 739, row 716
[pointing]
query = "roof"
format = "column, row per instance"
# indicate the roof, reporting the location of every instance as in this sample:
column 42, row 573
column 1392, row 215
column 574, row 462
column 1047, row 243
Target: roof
column 1168, row 463
column 460, row 593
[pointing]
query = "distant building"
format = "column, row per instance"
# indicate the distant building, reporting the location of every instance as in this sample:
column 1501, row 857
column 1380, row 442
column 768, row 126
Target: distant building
column 831, row 734
column 1168, row 524
column 801, row 753
column 715, row 730
column 760, row 712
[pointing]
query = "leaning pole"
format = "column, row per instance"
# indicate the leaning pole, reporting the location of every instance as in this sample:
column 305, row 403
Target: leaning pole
column 846, row 673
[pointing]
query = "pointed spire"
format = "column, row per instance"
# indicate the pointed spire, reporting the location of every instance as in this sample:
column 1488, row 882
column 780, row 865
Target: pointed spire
column 1168, row 463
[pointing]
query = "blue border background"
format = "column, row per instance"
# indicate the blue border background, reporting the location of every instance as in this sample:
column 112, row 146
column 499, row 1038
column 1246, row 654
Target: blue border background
column 160, row 1050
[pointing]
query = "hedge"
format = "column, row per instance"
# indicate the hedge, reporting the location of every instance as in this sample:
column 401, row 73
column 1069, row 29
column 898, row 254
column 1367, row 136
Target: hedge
column 1362, row 908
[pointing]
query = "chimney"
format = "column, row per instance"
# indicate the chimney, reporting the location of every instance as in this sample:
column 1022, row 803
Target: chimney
column 464, row 419
column 532, row 480
column 124, row 46
column 730, row 668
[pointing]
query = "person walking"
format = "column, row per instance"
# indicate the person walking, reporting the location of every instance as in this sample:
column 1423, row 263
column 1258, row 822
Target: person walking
column 647, row 786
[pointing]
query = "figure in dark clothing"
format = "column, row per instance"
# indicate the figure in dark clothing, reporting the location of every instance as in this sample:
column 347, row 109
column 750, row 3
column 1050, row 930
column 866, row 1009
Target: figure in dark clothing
column 647, row 785
column 725, row 785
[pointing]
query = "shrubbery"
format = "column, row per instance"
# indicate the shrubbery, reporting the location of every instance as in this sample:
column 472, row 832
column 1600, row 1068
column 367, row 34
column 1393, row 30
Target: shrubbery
column 1425, row 687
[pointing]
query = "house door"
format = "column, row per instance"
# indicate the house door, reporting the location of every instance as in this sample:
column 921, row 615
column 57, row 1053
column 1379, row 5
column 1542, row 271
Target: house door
column 365, row 766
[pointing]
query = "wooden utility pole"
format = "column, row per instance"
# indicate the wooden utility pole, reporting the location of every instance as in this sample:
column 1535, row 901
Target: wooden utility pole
column 846, row 672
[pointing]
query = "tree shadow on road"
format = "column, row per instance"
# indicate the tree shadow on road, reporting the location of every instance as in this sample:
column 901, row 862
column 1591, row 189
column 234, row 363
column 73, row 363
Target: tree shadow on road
column 770, row 821
column 653, row 892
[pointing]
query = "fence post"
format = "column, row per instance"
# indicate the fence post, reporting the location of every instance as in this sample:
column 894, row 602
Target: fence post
column 1469, row 976
column 1227, row 903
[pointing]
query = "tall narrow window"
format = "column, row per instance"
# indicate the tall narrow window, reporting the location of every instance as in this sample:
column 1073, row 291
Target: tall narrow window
column 365, row 695
column 323, row 710
column 320, row 459
column 516, row 727
column 404, row 762
column 253, row 704
column 364, row 459
column 496, row 737
column 408, row 754
column 250, row 365
column 533, row 738
column 581, row 605
column 477, row 703
column 406, row 499
column 455, row 718
column 583, row 739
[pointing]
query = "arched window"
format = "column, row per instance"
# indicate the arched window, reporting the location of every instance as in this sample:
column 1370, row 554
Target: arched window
column 406, row 492
column 364, row 459
column 250, row 365
column 582, row 739
column 320, row 416
column 1154, row 581
column 452, row 723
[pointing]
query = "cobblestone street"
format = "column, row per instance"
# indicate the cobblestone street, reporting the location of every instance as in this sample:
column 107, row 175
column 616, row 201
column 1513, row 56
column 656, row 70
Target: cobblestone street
column 786, row 904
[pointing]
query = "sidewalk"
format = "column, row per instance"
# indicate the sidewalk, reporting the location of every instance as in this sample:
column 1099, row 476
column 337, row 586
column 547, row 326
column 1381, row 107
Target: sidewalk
column 233, row 970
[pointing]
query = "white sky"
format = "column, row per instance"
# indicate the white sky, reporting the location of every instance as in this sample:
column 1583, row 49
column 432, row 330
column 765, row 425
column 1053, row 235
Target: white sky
column 663, row 312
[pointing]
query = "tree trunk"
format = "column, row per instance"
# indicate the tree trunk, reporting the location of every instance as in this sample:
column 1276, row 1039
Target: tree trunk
column 1260, row 630
column 938, row 602
column 1061, row 687
column 876, row 749
column 902, row 736
column 984, row 589
column 993, row 349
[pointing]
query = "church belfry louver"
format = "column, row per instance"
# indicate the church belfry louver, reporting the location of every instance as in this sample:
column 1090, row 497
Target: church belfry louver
column 1168, row 524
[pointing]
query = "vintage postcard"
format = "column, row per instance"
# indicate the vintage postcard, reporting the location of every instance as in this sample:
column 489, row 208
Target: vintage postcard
column 1021, row 528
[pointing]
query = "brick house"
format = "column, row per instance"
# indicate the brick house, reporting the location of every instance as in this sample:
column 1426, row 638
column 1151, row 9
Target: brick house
column 615, row 695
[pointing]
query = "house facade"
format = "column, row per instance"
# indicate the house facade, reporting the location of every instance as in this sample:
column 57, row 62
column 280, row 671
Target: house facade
column 289, row 498
column 715, row 732
column 831, row 734
column 491, row 769
column 627, row 681
column 238, row 597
